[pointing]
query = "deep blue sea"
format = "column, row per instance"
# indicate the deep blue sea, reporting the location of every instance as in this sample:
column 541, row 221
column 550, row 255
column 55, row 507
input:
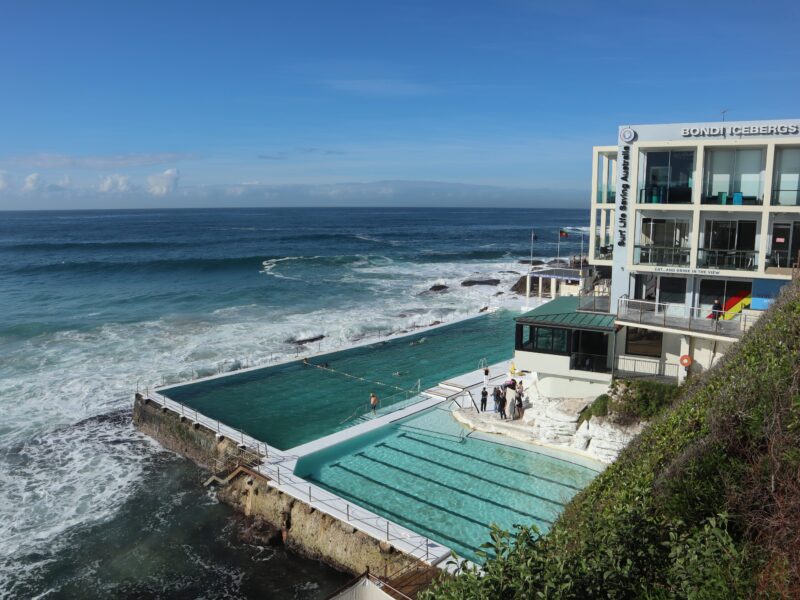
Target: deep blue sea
column 96, row 303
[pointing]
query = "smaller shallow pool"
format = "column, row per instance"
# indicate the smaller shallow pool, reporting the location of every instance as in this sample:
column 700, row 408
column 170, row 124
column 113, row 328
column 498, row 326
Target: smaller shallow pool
column 428, row 473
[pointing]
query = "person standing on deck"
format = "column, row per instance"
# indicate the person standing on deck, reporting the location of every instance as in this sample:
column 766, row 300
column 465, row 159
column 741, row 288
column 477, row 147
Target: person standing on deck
column 373, row 402
column 486, row 378
column 484, row 396
column 501, row 406
column 511, row 396
column 716, row 310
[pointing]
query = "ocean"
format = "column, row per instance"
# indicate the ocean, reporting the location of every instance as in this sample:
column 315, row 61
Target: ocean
column 94, row 304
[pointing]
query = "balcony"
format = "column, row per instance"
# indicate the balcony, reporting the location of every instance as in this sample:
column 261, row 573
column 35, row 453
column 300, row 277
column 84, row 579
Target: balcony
column 672, row 256
column 737, row 199
column 594, row 302
column 781, row 197
column 734, row 260
column 608, row 196
column 661, row 194
column 592, row 363
column 683, row 318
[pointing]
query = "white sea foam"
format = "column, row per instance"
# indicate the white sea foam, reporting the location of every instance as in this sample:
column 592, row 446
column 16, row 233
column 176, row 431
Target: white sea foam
column 59, row 471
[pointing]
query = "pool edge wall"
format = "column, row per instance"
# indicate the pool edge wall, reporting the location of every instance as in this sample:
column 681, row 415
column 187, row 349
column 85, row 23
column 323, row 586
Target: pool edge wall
column 304, row 529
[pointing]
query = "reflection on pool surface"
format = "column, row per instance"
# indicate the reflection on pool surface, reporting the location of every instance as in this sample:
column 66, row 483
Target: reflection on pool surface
column 291, row 404
column 429, row 474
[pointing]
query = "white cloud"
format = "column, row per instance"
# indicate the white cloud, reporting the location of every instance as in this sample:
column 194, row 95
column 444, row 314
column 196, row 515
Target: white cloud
column 44, row 160
column 33, row 183
column 4, row 181
column 63, row 184
column 115, row 183
column 163, row 183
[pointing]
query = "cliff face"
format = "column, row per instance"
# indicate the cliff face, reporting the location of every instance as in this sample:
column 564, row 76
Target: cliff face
column 705, row 503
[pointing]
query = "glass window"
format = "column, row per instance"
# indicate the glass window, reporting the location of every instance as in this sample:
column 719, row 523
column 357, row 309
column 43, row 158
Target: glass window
column 544, row 340
column 560, row 341
column 734, row 176
column 672, row 290
column 667, row 177
column 786, row 189
column 643, row 342
column 729, row 235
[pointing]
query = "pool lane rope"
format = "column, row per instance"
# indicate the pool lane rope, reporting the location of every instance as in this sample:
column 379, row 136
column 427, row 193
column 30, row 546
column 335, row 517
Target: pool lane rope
column 354, row 414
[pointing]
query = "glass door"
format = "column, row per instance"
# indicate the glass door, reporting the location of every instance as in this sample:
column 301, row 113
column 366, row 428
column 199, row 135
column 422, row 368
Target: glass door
column 781, row 234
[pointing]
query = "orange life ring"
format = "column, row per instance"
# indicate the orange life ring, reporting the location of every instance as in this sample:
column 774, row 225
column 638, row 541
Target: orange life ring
column 686, row 360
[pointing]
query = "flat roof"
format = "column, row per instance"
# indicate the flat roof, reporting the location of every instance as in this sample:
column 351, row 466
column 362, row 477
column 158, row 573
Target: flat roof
column 563, row 312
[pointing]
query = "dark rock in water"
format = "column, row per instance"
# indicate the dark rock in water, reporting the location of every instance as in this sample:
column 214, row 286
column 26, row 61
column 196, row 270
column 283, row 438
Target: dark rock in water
column 558, row 262
column 435, row 323
column 316, row 338
column 521, row 285
column 510, row 272
column 259, row 533
column 499, row 293
column 439, row 287
column 484, row 309
column 472, row 282
column 528, row 261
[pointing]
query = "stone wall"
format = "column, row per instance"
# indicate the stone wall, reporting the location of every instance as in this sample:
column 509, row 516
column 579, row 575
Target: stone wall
column 303, row 528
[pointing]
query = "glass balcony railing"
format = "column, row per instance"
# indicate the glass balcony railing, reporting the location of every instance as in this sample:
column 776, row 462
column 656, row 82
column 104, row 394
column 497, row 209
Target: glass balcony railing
column 679, row 316
column 661, row 194
column 735, row 199
column 782, row 259
column 661, row 255
column 786, row 197
column 608, row 196
column 737, row 260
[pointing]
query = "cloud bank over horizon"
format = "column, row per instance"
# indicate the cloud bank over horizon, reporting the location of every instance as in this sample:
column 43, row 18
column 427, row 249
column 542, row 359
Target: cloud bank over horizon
column 163, row 190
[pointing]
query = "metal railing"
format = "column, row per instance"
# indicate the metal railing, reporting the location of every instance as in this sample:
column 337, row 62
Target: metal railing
column 594, row 363
column 735, row 199
column 631, row 366
column 680, row 316
column 781, row 197
column 739, row 260
column 661, row 255
column 594, row 302
column 283, row 477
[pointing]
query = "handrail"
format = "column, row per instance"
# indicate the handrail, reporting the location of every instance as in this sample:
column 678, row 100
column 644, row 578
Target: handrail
column 299, row 488
column 680, row 316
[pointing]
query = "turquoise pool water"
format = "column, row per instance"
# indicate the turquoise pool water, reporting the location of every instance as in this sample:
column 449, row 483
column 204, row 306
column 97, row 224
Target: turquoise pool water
column 291, row 404
column 425, row 472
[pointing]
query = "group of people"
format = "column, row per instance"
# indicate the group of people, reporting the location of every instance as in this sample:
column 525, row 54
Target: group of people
column 508, row 400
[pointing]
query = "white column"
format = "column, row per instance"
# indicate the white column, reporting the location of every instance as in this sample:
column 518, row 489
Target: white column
column 541, row 285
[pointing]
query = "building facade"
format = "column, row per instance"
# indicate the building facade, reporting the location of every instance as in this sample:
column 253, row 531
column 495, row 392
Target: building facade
column 700, row 225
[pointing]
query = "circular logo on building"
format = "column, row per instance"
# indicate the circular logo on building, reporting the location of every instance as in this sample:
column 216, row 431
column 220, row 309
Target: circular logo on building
column 627, row 135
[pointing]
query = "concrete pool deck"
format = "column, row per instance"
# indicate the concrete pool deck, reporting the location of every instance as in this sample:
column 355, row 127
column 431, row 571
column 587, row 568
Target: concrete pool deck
column 278, row 466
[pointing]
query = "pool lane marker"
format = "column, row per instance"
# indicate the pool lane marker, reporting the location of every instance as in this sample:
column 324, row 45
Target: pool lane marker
column 417, row 498
column 474, row 475
column 494, row 465
column 397, row 516
column 454, row 489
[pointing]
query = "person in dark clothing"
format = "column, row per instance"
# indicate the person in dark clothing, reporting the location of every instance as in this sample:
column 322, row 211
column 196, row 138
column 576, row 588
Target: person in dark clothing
column 484, row 396
column 716, row 310
column 496, row 397
column 501, row 406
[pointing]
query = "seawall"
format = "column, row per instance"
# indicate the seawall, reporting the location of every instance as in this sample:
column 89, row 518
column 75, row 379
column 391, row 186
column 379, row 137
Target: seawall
column 303, row 528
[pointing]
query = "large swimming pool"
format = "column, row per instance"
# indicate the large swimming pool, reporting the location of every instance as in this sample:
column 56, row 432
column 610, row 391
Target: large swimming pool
column 428, row 473
column 291, row 404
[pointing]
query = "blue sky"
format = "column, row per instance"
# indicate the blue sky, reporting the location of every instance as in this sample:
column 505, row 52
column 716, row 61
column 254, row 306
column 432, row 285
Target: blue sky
column 175, row 103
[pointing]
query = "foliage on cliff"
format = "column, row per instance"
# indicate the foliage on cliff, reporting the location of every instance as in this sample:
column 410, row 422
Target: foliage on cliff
column 704, row 504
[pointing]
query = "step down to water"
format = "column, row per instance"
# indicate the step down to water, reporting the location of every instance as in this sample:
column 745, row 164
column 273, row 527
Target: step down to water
column 439, row 392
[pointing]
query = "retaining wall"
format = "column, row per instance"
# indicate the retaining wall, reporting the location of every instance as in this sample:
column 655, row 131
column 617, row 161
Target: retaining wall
column 304, row 529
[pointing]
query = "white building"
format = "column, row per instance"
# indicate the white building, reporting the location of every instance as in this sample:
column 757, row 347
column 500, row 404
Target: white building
column 684, row 216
